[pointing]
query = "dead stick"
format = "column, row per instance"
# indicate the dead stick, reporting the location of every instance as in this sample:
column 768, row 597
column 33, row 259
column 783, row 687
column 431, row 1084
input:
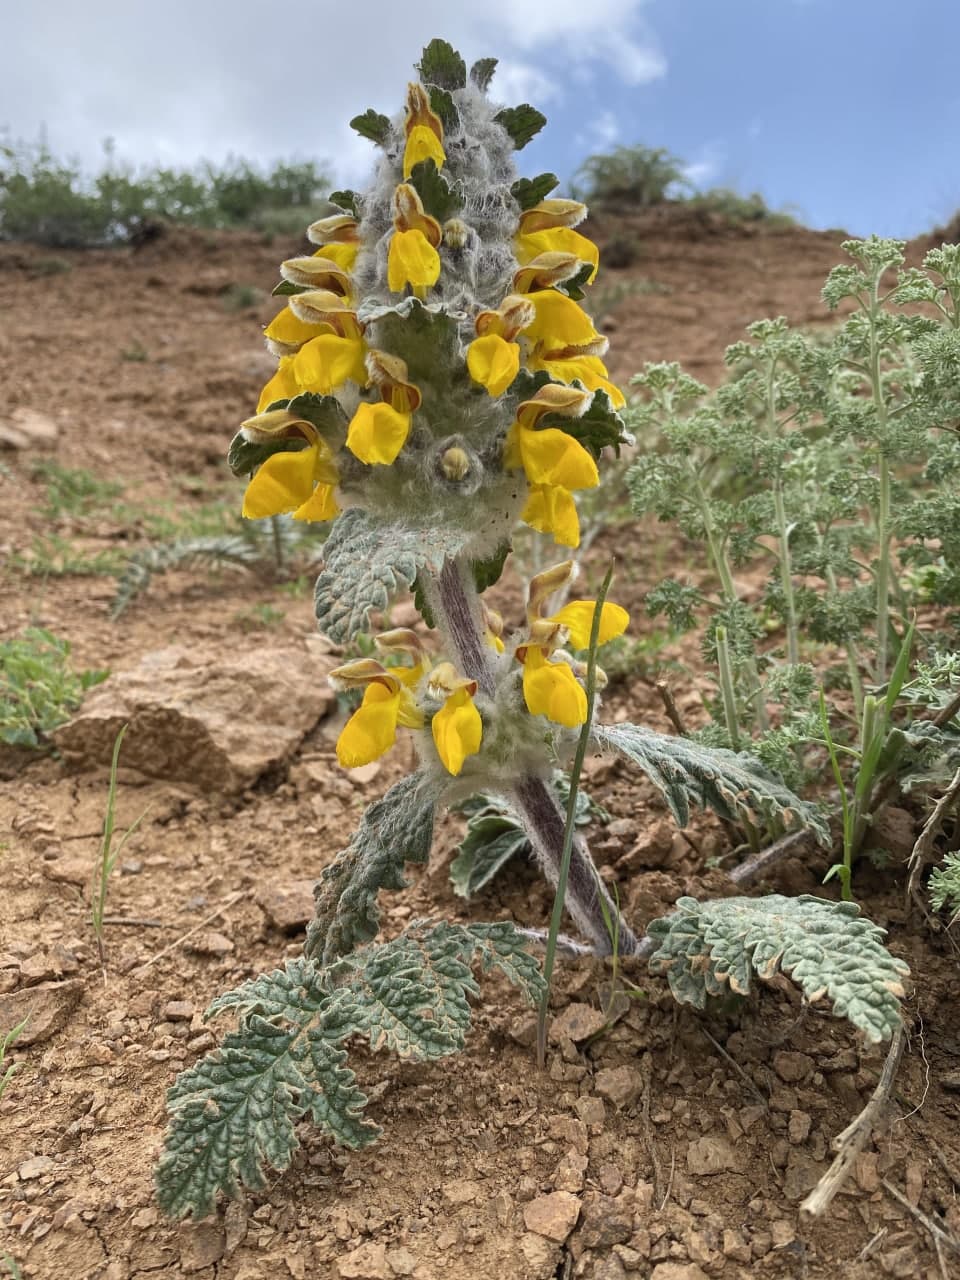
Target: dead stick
column 670, row 706
column 134, row 920
column 924, row 845
column 850, row 1142
column 935, row 1229
column 241, row 893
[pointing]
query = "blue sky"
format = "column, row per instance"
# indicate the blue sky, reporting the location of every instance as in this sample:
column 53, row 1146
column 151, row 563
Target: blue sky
column 844, row 111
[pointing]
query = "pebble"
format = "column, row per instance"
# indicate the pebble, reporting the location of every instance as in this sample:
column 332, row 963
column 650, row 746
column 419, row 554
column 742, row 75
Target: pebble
column 578, row 1022
column 288, row 907
column 461, row 1191
column 401, row 1262
column 606, row 1222
column 369, row 1262
column 798, row 1127
column 619, row 1085
column 210, row 944
column 35, row 1167
column 553, row 1216
column 678, row 1271
column 47, row 1008
column 792, row 1067
column 178, row 1011
column 201, row 1245
column 711, row 1154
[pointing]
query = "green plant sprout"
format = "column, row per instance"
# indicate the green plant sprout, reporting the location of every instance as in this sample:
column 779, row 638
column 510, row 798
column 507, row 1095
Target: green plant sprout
column 6, row 1044
column 108, row 855
column 38, row 688
column 437, row 383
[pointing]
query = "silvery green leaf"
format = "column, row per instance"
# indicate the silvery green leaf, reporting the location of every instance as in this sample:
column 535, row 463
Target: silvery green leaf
column 711, row 949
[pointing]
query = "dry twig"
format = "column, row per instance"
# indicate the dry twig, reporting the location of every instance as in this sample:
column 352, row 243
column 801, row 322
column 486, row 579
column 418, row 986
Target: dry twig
column 241, row 893
column 850, row 1142
column 931, row 828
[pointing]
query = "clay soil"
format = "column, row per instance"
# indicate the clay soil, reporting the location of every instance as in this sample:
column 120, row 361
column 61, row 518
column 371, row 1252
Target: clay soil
column 685, row 1144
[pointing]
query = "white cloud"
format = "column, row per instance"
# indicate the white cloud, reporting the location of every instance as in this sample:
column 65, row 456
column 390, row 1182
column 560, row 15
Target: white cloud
column 185, row 79
column 600, row 134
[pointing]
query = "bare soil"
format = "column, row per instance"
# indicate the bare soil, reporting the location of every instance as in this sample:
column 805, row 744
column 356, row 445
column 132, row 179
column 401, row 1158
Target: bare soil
column 687, row 1143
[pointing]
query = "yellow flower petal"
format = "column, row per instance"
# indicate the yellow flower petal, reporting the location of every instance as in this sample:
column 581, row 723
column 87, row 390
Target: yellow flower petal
column 377, row 433
column 557, row 240
column 577, row 617
column 551, row 509
column 457, row 731
column 559, row 322
column 551, row 689
column 321, row 505
column 552, row 457
column 422, row 144
column 590, row 370
column 282, row 483
column 372, row 729
column 287, row 328
column 412, row 260
column 282, row 386
column 344, row 255
column 493, row 362
column 326, row 362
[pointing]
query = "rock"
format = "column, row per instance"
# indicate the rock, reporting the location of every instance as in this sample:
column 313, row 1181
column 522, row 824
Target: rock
column 711, row 1154
column 578, row 1022
column 609, row 1268
column 28, row 429
column 592, row 1112
column 621, row 1086
column 792, row 1067
column 200, row 716
column 799, row 1126
column 46, row 1009
column 178, row 1011
column 369, row 1262
column 735, row 1246
column 401, row 1262
column 35, row 1167
column 678, row 1271
column 210, row 944
column 570, row 1171
column 802, row 1175
column 461, row 1191
column 201, row 1245
column 606, row 1222
column 553, row 1216
column 78, row 871
column 540, row 1255
column 289, row 906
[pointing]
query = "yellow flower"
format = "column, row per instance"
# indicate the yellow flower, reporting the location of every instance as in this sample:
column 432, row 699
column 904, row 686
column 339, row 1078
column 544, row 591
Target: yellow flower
column 338, row 228
column 287, row 329
column 344, row 253
column 493, row 362
column 422, row 144
column 282, row 386
column 559, row 323
column 412, row 260
column 590, row 370
column 457, row 727
column 302, row 481
column 552, row 213
column 550, row 457
column 387, row 703
column 531, row 244
column 577, row 618
column 328, row 361
column 377, row 433
column 319, row 272
column 551, row 509
column 551, row 689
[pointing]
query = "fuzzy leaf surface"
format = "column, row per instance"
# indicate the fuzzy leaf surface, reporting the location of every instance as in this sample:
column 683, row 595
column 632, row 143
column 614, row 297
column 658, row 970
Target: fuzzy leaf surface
column 368, row 561
column 347, row 200
column 530, row 191
column 522, row 123
column 733, row 784
column 439, row 199
column 493, row 838
column 481, row 73
column 442, row 65
column 395, row 829
column 373, row 125
column 710, row 949
column 244, row 456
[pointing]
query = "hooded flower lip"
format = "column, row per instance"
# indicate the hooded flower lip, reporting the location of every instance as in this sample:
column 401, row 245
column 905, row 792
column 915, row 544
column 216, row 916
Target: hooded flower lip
column 424, row 131
column 378, row 432
column 493, row 362
column 338, row 228
column 306, row 316
column 317, row 272
column 301, row 481
column 387, row 703
column 545, row 270
column 551, row 509
column 551, row 213
column 513, row 315
column 412, row 257
column 550, row 456
column 533, row 245
column 457, row 727
column 551, row 689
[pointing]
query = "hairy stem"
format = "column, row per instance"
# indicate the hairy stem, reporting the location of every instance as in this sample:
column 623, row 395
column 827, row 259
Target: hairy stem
column 455, row 603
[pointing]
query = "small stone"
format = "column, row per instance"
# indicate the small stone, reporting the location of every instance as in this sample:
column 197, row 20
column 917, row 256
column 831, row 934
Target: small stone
column 711, row 1154
column 369, row 1262
column 570, row 1171
column 78, row 871
column 289, row 906
column 540, row 1254
column 401, row 1262
column 553, row 1216
column 27, row 428
column 735, row 1246
column 866, row 1171
column 606, row 1222
column 523, row 1030
column 792, row 1067
column 35, row 1167
column 210, row 944
column 782, row 1233
column 461, row 1191
column 678, row 1271
column 178, row 1011
column 592, row 1112
column 201, row 1245
column 578, row 1022
column 608, row 1268
column 40, row 968
column 145, row 1218
column 46, row 1008
column 621, row 1086
column 802, row 1175
column 611, row 1180
column 798, row 1127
